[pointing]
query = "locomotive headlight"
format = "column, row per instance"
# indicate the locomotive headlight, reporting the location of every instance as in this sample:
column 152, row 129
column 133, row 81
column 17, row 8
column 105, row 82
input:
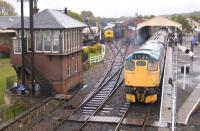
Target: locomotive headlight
column 129, row 65
column 152, row 66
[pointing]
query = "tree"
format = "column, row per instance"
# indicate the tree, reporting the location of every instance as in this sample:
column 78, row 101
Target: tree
column 148, row 16
column 75, row 15
column 182, row 20
column 6, row 8
column 196, row 18
column 88, row 17
column 86, row 14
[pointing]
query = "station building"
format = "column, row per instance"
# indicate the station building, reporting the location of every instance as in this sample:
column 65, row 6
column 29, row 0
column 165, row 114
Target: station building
column 58, row 51
column 6, row 34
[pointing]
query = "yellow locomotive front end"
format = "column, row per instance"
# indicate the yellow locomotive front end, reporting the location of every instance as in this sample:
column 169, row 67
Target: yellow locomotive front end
column 144, row 70
column 109, row 35
column 142, row 80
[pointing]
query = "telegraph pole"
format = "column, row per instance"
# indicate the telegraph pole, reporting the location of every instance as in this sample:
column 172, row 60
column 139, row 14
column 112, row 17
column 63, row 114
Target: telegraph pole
column 23, row 44
column 32, row 47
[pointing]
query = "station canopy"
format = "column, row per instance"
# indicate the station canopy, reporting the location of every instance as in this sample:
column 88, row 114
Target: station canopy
column 159, row 21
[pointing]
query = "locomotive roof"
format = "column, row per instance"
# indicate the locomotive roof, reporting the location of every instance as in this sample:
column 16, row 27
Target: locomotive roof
column 152, row 48
column 152, row 45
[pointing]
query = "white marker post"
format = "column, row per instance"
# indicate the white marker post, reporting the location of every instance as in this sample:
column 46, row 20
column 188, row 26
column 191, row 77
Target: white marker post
column 184, row 49
column 184, row 77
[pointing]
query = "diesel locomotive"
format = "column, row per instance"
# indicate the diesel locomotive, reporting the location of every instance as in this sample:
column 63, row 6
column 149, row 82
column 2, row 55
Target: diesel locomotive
column 144, row 69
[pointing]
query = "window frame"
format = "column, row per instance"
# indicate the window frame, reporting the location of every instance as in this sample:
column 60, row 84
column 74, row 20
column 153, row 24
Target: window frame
column 50, row 34
column 39, row 31
column 19, row 44
column 26, row 33
column 76, row 66
column 68, row 70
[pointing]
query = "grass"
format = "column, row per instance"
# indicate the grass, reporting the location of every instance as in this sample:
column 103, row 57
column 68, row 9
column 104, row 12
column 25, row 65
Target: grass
column 8, row 112
column 12, row 111
column 6, row 70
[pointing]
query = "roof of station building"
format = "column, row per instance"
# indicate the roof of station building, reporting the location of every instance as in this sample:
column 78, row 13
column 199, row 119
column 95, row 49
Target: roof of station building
column 51, row 19
column 159, row 21
column 6, row 21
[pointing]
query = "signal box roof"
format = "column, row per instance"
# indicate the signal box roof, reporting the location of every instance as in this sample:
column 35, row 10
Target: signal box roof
column 51, row 19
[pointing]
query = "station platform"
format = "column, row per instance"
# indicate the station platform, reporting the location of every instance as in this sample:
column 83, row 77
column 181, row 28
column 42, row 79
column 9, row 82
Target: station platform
column 167, row 90
column 187, row 92
column 189, row 106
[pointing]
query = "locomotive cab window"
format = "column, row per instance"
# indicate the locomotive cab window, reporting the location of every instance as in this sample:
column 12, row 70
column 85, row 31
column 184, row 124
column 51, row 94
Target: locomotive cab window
column 152, row 66
column 129, row 65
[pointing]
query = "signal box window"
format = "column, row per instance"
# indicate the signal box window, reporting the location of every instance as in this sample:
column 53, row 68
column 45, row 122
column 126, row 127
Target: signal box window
column 47, row 41
column 38, row 41
column 68, row 70
column 76, row 66
column 56, row 35
column 28, row 37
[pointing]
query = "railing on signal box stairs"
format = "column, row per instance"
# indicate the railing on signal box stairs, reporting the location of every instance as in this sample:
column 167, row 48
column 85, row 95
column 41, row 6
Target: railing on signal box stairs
column 98, row 58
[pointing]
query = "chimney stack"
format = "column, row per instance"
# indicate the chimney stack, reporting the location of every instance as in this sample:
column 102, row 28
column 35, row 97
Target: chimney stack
column 65, row 11
column 35, row 9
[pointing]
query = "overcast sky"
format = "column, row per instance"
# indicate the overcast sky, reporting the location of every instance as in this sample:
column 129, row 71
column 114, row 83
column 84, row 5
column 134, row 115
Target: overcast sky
column 117, row 8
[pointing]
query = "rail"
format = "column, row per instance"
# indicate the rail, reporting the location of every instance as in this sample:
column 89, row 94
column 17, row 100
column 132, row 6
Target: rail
column 122, row 118
column 101, row 85
column 116, row 85
column 146, row 119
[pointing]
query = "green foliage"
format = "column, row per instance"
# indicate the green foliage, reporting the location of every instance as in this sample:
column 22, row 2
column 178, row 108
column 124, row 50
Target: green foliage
column 148, row 16
column 6, row 8
column 93, row 49
column 86, row 50
column 89, row 18
column 6, row 70
column 12, row 111
column 182, row 20
column 87, row 14
column 196, row 18
column 75, row 16
column 10, row 80
column 92, row 21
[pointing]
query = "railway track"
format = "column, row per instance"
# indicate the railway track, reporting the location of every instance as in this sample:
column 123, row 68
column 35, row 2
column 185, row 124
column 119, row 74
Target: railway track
column 97, row 98
column 117, row 128
column 98, row 113
column 146, row 118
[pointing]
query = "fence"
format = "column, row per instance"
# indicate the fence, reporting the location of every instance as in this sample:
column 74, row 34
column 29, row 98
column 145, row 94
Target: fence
column 98, row 58
column 30, row 118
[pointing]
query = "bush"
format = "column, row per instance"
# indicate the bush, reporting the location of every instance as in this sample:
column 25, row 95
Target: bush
column 10, row 112
column 10, row 80
column 93, row 49
column 86, row 50
column 99, row 47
